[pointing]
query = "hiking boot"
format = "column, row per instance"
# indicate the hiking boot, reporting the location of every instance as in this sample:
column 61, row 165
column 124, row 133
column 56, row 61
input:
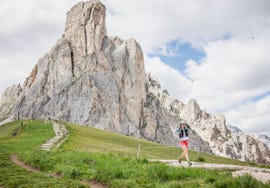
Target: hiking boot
column 189, row 163
column 179, row 160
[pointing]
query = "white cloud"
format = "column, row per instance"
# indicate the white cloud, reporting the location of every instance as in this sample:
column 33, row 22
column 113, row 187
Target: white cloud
column 153, row 23
column 28, row 30
column 169, row 78
column 231, row 72
column 252, row 117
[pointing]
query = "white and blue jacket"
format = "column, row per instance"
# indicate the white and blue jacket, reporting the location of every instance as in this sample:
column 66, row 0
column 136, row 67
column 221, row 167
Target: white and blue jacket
column 184, row 137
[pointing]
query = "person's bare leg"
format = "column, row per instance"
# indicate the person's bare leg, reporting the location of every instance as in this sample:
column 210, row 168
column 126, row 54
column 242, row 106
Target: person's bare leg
column 182, row 155
column 185, row 149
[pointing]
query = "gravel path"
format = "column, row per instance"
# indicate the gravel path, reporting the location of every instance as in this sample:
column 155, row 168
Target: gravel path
column 61, row 135
column 260, row 174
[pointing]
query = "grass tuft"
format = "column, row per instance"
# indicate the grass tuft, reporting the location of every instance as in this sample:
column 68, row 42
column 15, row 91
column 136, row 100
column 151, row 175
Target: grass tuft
column 200, row 159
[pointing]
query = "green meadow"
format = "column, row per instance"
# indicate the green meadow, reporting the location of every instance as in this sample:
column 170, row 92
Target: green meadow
column 89, row 139
column 92, row 155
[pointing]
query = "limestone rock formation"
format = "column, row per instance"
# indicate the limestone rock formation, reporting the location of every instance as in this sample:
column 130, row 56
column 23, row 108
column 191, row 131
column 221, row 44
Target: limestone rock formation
column 263, row 138
column 87, row 77
column 8, row 101
column 223, row 140
column 161, row 118
column 92, row 79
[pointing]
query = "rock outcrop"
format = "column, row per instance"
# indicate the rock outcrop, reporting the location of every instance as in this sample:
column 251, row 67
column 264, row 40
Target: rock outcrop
column 8, row 101
column 92, row 79
column 161, row 118
column 223, row 140
column 88, row 77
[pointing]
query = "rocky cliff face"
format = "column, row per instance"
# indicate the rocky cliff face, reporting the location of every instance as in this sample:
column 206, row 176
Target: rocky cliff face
column 161, row 119
column 87, row 77
column 223, row 140
column 8, row 101
column 92, row 79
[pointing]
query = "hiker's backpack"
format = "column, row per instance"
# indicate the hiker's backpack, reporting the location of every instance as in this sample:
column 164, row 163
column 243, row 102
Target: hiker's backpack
column 182, row 132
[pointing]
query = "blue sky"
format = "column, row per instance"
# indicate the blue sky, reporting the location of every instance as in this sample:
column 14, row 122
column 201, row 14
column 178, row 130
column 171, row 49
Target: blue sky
column 259, row 97
column 177, row 53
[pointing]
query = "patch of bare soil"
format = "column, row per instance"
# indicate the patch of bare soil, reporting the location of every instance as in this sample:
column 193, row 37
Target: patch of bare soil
column 94, row 184
column 15, row 159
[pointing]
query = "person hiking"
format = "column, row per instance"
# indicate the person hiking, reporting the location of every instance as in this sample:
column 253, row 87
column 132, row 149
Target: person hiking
column 183, row 132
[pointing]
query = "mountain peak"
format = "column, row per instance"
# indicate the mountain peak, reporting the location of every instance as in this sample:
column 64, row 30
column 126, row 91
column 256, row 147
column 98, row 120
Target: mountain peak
column 85, row 27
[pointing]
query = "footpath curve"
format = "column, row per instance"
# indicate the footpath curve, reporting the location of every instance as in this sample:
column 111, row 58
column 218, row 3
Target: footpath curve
column 261, row 174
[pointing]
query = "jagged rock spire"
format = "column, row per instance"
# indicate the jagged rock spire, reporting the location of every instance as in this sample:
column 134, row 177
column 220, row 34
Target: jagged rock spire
column 85, row 27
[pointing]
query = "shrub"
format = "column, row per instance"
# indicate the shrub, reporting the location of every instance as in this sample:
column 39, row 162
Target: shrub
column 200, row 159
column 75, row 174
column 210, row 180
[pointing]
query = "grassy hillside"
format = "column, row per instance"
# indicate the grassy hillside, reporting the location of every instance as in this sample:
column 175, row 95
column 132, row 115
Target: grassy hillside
column 90, row 155
column 94, row 140
column 28, row 138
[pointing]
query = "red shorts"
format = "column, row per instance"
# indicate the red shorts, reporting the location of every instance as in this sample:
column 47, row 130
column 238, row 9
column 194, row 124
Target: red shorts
column 184, row 143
